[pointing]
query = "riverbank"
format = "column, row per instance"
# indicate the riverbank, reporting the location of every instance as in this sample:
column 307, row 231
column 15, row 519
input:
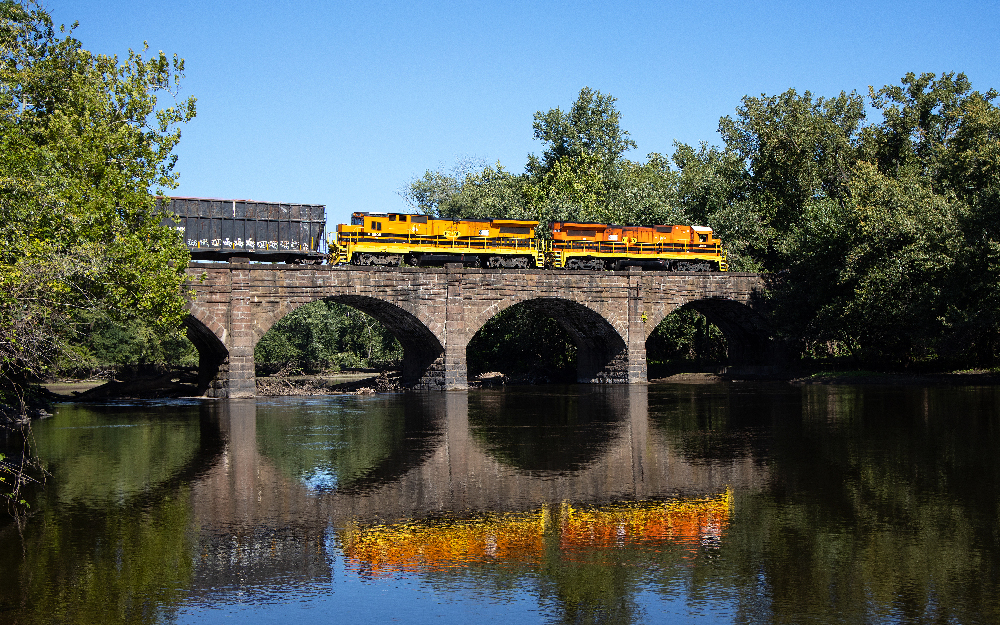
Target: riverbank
column 174, row 384
column 346, row 383
column 182, row 383
column 969, row 377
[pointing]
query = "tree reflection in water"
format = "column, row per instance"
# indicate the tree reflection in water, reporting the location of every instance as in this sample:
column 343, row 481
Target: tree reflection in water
column 882, row 502
column 593, row 504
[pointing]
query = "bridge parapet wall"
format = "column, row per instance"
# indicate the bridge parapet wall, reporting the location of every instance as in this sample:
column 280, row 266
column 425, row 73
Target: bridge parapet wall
column 435, row 312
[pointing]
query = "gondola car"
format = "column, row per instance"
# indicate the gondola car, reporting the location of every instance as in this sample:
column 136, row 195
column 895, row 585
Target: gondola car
column 392, row 239
column 603, row 246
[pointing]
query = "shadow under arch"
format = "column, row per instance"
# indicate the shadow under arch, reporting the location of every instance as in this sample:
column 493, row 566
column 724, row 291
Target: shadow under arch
column 748, row 333
column 212, row 353
column 421, row 348
column 602, row 354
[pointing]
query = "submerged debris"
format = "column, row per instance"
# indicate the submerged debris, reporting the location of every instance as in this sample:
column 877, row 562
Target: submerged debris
column 384, row 382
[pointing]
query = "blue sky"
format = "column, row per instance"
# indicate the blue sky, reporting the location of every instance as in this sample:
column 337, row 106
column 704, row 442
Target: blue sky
column 343, row 103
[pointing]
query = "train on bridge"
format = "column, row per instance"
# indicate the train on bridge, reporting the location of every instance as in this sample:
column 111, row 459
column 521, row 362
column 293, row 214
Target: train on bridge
column 279, row 232
column 394, row 239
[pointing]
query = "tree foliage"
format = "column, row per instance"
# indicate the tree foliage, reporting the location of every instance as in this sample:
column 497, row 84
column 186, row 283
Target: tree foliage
column 85, row 145
column 591, row 128
column 582, row 175
column 883, row 230
column 523, row 345
column 326, row 335
column 684, row 335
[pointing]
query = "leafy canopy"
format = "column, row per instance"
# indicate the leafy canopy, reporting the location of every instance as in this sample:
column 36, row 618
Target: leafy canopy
column 582, row 175
column 883, row 235
column 85, row 145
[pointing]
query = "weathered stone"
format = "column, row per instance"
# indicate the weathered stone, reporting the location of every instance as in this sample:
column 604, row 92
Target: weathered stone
column 435, row 312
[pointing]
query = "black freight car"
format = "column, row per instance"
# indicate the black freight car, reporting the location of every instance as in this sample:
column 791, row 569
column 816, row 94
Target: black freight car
column 262, row 231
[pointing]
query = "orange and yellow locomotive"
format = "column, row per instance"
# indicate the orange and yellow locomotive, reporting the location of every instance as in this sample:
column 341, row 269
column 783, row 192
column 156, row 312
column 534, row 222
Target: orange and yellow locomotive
column 602, row 246
column 393, row 239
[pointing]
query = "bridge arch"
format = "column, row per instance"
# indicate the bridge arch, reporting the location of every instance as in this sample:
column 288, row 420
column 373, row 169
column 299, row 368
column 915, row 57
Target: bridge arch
column 602, row 351
column 213, row 356
column 421, row 347
column 747, row 331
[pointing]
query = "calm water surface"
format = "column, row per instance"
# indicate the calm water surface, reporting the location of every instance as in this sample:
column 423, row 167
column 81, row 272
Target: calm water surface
column 716, row 503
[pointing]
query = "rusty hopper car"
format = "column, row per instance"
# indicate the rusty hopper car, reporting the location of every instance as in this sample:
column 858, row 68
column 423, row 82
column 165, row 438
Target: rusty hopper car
column 392, row 239
column 262, row 231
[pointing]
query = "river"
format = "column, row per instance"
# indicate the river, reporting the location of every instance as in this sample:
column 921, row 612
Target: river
column 660, row 503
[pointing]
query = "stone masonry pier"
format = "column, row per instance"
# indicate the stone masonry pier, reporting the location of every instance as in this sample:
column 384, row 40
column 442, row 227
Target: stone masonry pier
column 435, row 312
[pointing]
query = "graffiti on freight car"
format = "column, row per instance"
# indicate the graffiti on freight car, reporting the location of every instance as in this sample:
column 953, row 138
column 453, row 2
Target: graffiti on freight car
column 248, row 244
column 273, row 232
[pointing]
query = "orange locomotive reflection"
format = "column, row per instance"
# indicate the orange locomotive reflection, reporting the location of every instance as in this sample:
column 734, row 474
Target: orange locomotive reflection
column 520, row 537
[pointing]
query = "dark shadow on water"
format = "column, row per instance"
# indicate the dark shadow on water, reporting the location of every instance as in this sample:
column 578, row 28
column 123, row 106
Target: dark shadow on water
column 558, row 429
column 721, row 422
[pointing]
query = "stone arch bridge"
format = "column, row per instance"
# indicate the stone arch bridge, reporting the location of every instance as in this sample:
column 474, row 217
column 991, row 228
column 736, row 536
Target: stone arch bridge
column 435, row 312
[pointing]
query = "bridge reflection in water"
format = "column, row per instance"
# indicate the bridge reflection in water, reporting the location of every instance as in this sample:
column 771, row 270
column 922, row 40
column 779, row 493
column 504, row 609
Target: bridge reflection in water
column 451, row 479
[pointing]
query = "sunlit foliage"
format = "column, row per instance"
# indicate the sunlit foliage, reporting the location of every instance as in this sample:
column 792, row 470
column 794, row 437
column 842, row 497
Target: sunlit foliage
column 326, row 336
column 86, row 142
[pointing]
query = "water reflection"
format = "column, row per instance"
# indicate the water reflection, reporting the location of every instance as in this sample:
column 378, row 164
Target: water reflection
column 528, row 538
column 551, row 430
column 108, row 540
column 367, row 442
column 882, row 502
column 740, row 503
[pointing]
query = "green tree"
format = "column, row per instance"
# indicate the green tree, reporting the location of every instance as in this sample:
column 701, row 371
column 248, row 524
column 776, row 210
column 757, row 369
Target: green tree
column 782, row 154
column 582, row 175
column 326, row 335
column 105, row 346
column 522, row 344
column 684, row 335
column 491, row 192
column 591, row 128
column 937, row 130
column 883, row 234
column 85, row 145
